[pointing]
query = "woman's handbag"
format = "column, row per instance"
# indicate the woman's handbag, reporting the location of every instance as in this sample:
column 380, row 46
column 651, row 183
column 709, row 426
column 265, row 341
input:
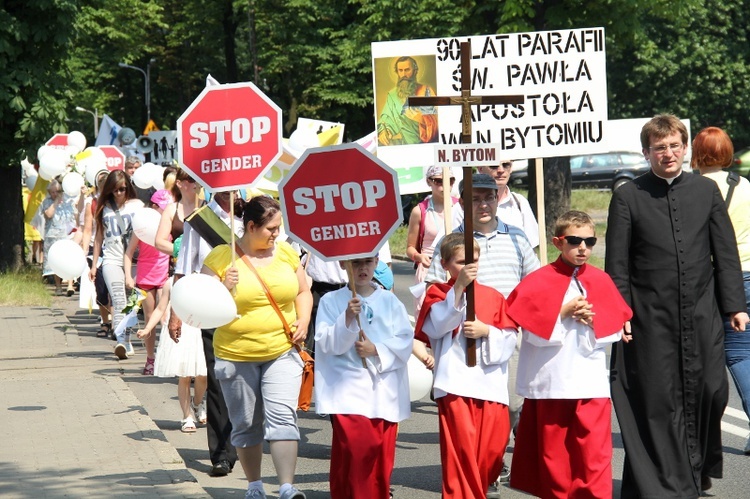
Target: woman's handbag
column 308, row 371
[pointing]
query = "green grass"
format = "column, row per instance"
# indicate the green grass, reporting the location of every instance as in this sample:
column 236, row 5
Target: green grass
column 24, row 288
column 397, row 242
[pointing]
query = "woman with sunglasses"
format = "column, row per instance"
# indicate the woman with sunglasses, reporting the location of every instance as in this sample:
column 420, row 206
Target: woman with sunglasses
column 115, row 209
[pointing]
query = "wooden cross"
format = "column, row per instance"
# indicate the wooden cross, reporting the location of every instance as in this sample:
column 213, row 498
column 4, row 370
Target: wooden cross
column 466, row 100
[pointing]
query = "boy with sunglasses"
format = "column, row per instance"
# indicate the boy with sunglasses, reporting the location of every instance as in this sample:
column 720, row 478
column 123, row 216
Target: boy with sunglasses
column 569, row 312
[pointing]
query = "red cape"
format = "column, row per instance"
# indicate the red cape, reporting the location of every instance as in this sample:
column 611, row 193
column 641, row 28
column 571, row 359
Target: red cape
column 491, row 307
column 535, row 303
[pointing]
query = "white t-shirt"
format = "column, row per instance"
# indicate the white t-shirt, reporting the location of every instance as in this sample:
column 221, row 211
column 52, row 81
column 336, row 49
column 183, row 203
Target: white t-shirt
column 114, row 250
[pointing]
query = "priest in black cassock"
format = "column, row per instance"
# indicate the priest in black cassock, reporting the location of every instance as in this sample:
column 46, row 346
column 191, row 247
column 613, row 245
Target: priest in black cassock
column 671, row 251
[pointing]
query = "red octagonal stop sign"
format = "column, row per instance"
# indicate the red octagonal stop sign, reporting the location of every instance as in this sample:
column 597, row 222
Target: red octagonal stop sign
column 115, row 157
column 341, row 202
column 229, row 136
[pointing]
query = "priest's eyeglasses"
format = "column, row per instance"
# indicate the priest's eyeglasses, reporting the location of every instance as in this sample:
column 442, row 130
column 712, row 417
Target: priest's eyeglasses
column 576, row 241
column 662, row 150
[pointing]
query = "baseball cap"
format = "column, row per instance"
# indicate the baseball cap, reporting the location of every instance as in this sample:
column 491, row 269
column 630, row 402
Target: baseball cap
column 479, row 181
column 437, row 171
column 161, row 198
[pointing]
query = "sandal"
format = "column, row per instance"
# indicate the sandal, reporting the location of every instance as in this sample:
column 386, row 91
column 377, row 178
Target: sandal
column 188, row 425
column 148, row 369
column 104, row 330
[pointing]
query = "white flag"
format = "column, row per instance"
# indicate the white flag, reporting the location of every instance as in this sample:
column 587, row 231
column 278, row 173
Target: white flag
column 108, row 131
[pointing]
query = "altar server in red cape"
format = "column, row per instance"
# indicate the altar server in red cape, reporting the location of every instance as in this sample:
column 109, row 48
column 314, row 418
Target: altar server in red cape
column 472, row 401
column 568, row 311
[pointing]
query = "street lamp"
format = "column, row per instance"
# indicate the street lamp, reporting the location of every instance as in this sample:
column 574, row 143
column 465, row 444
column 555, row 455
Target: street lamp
column 95, row 114
column 147, row 77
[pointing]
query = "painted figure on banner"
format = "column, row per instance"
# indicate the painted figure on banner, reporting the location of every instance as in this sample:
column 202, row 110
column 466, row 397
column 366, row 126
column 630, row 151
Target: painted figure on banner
column 399, row 124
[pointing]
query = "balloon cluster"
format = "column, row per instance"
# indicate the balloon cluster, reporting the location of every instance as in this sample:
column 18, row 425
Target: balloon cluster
column 77, row 163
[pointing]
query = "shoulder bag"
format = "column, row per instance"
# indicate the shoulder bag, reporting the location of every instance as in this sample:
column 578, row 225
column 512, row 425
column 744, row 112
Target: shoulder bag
column 308, row 371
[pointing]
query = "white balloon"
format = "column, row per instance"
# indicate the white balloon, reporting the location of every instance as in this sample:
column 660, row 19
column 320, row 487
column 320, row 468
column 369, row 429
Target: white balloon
column 71, row 151
column 143, row 178
column 159, row 180
column 98, row 154
column 203, row 302
column 94, row 162
column 72, row 183
column 66, row 259
column 77, row 140
column 42, row 151
column 92, row 173
column 31, row 181
column 53, row 164
column 145, row 223
column 420, row 379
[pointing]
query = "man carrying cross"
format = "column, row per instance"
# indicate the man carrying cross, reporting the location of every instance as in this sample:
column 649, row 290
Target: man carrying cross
column 503, row 243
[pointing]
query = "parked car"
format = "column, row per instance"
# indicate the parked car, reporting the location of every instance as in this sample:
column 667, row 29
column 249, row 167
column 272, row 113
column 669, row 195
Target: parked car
column 603, row 171
column 741, row 163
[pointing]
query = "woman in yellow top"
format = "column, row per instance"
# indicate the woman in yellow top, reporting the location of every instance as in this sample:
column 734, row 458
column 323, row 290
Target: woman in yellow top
column 259, row 371
column 712, row 152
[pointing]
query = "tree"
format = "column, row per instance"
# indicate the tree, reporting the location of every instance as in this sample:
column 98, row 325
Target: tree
column 33, row 39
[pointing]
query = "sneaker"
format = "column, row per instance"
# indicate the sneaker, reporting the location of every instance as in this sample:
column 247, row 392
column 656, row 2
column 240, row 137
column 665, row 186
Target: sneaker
column 292, row 493
column 747, row 447
column 121, row 352
column 200, row 412
column 129, row 349
column 504, row 474
column 493, row 492
column 222, row 468
column 255, row 494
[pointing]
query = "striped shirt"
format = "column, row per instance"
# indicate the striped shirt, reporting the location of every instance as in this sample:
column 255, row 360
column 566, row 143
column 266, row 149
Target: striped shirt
column 505, row 257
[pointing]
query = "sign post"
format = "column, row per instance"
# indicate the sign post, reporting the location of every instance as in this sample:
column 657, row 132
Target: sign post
column 342, row 203
column 229, row 136
column 466, row 100
column 115, row 157
column 58, row 141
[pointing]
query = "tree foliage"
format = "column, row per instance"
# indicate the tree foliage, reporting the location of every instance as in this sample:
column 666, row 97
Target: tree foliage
column 313, row 57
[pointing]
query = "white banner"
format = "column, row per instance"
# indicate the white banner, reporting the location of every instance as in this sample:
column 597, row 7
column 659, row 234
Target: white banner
column 561, row 75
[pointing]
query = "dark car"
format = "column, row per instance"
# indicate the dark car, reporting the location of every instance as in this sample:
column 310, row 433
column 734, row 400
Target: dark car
column 602, row 171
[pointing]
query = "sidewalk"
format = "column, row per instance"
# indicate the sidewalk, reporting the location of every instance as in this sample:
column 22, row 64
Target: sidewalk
column 71, row 426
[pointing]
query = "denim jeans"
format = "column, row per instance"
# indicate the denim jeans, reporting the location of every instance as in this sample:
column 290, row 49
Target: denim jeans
column 737, row 348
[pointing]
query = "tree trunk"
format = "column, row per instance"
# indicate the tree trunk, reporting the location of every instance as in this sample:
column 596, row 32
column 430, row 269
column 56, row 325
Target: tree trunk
column 229, row 21
column 557, row 185
column 11, row 213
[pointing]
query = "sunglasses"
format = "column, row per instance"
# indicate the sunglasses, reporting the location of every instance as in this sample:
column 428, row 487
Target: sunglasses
column 120, row 190
column 439, row 180
column 576, row 241
column 505, row 165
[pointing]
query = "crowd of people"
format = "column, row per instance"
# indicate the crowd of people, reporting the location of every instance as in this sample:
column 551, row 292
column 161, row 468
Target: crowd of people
column 672, row 304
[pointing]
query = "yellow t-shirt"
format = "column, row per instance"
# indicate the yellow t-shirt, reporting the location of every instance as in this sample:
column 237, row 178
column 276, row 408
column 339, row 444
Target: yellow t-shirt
column 258, row 335
column 739, row 213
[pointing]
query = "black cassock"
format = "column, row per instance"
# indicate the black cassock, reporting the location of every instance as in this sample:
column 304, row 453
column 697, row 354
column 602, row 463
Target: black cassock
column 671, row 250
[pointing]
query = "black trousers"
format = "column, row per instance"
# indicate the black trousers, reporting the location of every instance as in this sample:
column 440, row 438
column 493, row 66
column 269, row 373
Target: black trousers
column 218, row 427
column 318, row 289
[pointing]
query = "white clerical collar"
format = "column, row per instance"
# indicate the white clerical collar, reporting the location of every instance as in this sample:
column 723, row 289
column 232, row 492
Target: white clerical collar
column 670, row 179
